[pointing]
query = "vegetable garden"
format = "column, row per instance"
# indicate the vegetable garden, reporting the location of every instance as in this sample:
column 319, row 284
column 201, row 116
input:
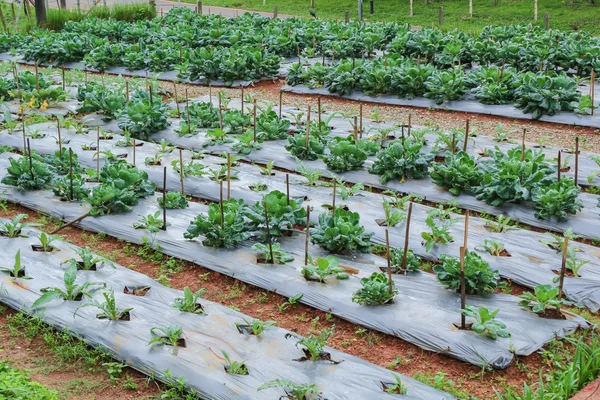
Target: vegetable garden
column 413, row 231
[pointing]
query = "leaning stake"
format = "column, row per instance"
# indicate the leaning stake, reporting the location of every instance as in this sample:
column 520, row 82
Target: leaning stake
column 406, row 233
column 563, row 267
column 30, row 159
column 221, row 204
column 466, row 135
column 558, row 169
column 60, row 228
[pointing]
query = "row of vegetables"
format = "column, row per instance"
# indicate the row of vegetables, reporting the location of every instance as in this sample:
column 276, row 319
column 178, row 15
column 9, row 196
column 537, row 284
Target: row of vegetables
column 252, row 45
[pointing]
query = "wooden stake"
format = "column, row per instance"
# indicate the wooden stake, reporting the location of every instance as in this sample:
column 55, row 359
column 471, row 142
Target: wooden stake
column 280, row 101
column 319, row 110
column 307, row 235
column 523, row 145
column 64, row 83
column 592, row 89
column 254, row 113
column 134, row 146
column 98, row 150
column 558, row 169
column 466, row 135
column 127, row 91
column 24, row 134
column 30, row 159
column 463, row 299
column 576, row 159
column 151, row 99
column 389, row 264
column 333, row 203
column 466, row 235
column 228, row 176
column 409, row 122
column 406, row 236
column 360, row 129
column 37, row 77
column 181, row 171
column 177, row 100
column 164, row 228
column 71, row 173
column 269, row 244
column 59, row 137
column 242, row 99
column 563, row 267
column 355, row 129
column 307, row 127
column 221, row 203
column 69, row 223
column 287, row 188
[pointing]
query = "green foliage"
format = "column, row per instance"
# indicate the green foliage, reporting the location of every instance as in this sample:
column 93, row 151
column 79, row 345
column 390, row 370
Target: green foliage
column 485, row 324
column 256, row 326
column 501, row 225
column 321, row 268
column 203, row 115
column 445, row 86
column 190, row 168
column 14, row 227
column 401, row 161
column 27, row 176
column 234, row 367
column 293, row 390
column 557, row 199
column 282, row 216
column 60, row 164
column 297, row 147
column 344, row 155
column 46, row 240
column 545, row 296
column 479, row 277
column 493, row 248
column 341, row 232
column 16, row 385
column 89, row 259
column 270, row 127
column 397, row 387
column 413, row 262
column 166, row 334
column 153, row 223
column 279, row 255
column 235, row 122
column 72, row 291
column 61, row 187
column 246, row 143
column 141, row 118
column 17, row 271
column 94, row 97
column 440, row 234
column 457, row 173
column 541, row 93
column 108, row 307
column 375, row 290
column 314, row 344
column 392, row 217
column 189, row 301
column 217, row 232
column 175, row 200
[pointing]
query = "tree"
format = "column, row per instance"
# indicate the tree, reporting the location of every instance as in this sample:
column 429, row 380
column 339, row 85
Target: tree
column 40, row 12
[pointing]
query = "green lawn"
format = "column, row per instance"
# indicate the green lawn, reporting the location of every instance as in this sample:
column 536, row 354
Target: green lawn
column 456, row 13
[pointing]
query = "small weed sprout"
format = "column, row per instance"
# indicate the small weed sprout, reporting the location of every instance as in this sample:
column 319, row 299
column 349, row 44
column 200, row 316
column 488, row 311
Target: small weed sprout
column 153, row 223
column 293, row 391
column 189, row 301
column 234, row 367
column 17, row 271
column 166, row 334
column 255, row 326
column 108, row 307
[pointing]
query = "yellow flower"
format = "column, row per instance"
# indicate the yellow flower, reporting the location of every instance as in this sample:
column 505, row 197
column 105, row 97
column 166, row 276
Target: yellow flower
column 31, row 102
column 44, row 106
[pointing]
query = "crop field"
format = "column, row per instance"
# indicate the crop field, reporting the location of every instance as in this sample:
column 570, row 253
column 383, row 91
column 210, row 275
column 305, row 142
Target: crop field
column 253, row 208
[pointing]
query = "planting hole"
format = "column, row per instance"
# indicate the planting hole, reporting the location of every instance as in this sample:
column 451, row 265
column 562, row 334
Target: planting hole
column 137, row 290
column 81, row 267
column 21, row 273
column 39, row 247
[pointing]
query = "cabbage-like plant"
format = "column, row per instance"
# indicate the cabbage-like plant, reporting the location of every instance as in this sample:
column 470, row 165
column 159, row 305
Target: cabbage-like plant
column 341, row 232
column 479, row 277
column 282, row 216
column 401, row 161
column 226, row 231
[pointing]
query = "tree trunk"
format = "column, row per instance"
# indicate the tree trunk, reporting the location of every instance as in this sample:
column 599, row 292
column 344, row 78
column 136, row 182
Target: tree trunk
column 40, row 12
column 63, row 4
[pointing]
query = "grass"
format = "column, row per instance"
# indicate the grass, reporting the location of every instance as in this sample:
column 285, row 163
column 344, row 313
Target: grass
column 456, row 13
column 56, row 18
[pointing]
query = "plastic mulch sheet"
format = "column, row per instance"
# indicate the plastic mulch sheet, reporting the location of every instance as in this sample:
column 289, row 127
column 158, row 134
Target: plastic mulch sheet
column 424, row 312
column 201, row 362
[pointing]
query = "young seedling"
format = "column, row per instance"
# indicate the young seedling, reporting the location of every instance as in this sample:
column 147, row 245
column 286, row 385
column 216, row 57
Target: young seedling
column 545, row 298
column 189, row 301
column 72, row 291
column 89, row 260
column 344, row 192
column 153, row 223
column 312, row 176
column 294, row 391
column 190, row 168
column 494, row 248
column 14, row 227
column 234, row 367
column 290, row 302
column 392, row 217
column 280, row 256
column 175, row 200
column 45, row 241
column 108, row 308
column 439, row 234
column 17, row 271
column 314, row 344
column 167, row 334
column 268, row 168
column 485, row 324
column 501, row 225
column 375, row 290
column 413, row 262
column 397, row 387
column 321, row 268
column 573, row 264
column 254, row 327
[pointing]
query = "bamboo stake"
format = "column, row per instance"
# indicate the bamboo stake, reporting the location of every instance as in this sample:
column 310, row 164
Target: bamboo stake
column 269, row 244
column 242, row 99
column 164, row 228
column 24, row 134
column 563, row 267
column 98, row 152
column 355, row 133
column 127, row 91
column 228, row 176
column 307, row 235
column 177, row 100
column 220, row 114
column 333, row 203
column 409, row 122
column 221, row 203
column 576, row 159
column 466, row 235
column 134, row 146
column 389, row 264
column 558, row 169
column 254, row 113
column 406, row 236
column 466, row 135
column 319, row 110
column 307, row 127
column 280, row 101
column 523, row 145
column 181, row 171
column 59, row 137
column 592, row 89
column 71, row 173
column 463, row 300
column 64, row 83
column 69, row 223
column 37, row 77
column 30, row 159
column 287, row 188
column 360, row 129
column 151, row 99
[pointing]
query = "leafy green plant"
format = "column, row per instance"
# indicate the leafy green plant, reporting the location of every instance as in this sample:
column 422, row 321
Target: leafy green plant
column 440, row 234
column 14, row 227
column 108, row 307
column 293, row 391
column 220, row 232
column 573, row 264
column 46, row 240
column 72, row 291
column 89, row 260
column 341, row 231
column 28, row 176
column 153, row 223
column 314, row 344
column 397, row 387
column 457, row 173
column 255, row 327
column 545, row 296
column 445, row 86
column 344, row 191
column 493, row 248
column 401, row 161
column 189, row 301
column 140, row 117
column 174, row 200
column 297, row 146
column 216, row 137
column 542, row 94
column 190, row 168
column 557, row 199
column 166, row 334
column 311, row 175
column 413, row 262
column 283, row 215
column 235, row 122
column 485, row 323
column 246, row 143
column 321, row 268
column 501, row 225
column 270, row 127
column 392, row 217
column 16, row 384
column 280, row 256
column 234, row 367
column 61, row 187
column 17, row 270
column 60, row 162
column 375, row 290
column 479, row 277
column 344, row 155
column 203, row 115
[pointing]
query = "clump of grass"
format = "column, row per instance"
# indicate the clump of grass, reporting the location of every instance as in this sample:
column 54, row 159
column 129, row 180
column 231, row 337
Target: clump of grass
column 56, row 18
